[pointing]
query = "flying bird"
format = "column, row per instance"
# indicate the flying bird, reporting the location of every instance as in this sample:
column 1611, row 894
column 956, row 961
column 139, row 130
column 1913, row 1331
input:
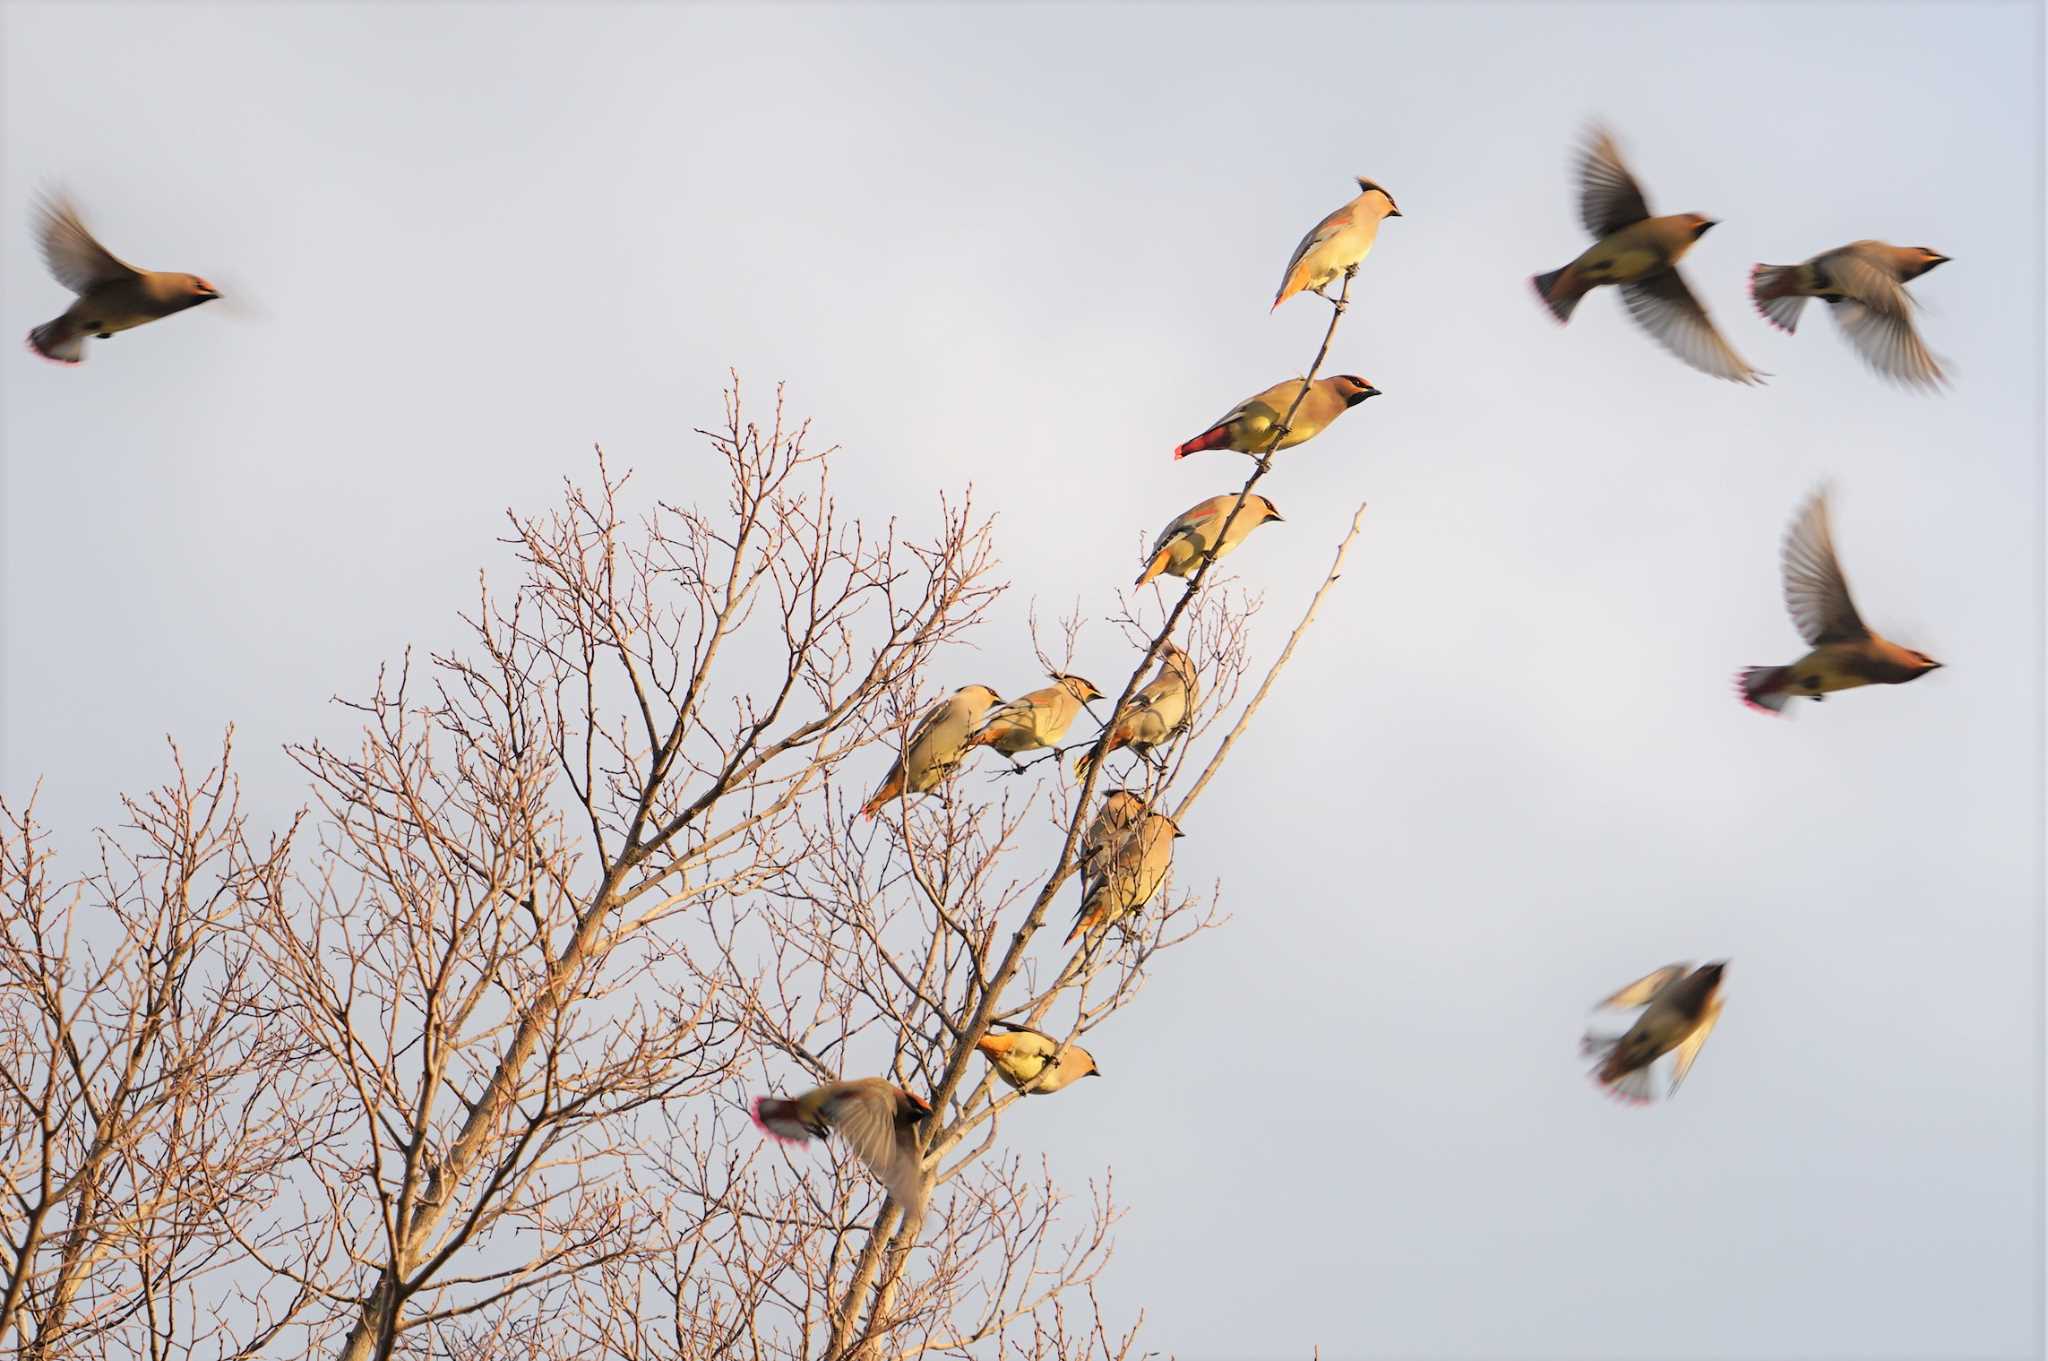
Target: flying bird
column 1863, row 284
column 1846, row 653
column 1157, row 712
column 1338, row 244
column 1247, row 428
column 112, row 294
column 1039, row 719
column 877, row 1119
column 1641, row 254
column 1182, row 545
column 1020, row 1054
column 935, row 748
column 1679, row 1012
column 1129, row 875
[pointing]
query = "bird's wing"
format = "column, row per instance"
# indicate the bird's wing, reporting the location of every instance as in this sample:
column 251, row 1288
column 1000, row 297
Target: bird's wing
column 1666, row 308
column 865, row 1117
column 1816, row 593
column 1639, row 993
column 1019, row 710
column 1609, row 197
column 1689, row 1048
column 1336, row 222
column 80, row 263
column 1876, row 313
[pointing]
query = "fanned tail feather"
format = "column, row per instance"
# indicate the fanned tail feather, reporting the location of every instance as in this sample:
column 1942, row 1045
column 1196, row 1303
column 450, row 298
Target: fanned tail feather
column 1760, row 689
column 767, row 1108
column 54, row 343
column 1771, row 288
column 1561, row 302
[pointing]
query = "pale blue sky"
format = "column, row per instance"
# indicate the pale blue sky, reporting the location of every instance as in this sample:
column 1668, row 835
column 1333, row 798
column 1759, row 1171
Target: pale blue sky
column 1032, row 249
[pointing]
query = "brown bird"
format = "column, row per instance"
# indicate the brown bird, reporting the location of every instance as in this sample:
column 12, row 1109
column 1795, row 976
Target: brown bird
column 1338, row 244
column 1036, row 720
column 1845, row 652
column 1248, row 427
column 1182, row 545
column 112, row 295
column 877, row 1119
column 1020, row 1055
column 1129, row 875
column 1641, row 254
column 936, row 746
column 1157, row 712
column 1863, row 284
column 1118, row 813
column 1680, row 1010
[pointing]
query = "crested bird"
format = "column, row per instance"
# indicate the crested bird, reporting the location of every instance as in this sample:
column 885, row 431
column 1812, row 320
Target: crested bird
column 935, row 748
column 1035, row 720
column 1182, row 545
column 1679, row 1011
column 1338, row 244
column 1156, row 713
column 877, row 1119
column 112, row 294
column 1248, row 427
column 1863, row 284
column 1021, row 1054
column 1128, row 876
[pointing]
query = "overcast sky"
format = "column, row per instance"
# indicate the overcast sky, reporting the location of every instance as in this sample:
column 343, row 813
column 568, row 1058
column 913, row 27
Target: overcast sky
column 1032, row 249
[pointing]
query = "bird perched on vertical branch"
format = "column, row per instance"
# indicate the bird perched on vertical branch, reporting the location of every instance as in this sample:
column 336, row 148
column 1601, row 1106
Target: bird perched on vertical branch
column 1020, row 1054
column 1639, row 253
column 1338, row 244
column 877, row 1119
column 1863, row 284
column 1118, row 813
column 1680, row 1010
column 112, row 294
column 936, row 745
column 1035, row 720
column 1129, row 875
column 1846, row 653
column 1156, row 713
column 1182, row 545
column 1247, row 428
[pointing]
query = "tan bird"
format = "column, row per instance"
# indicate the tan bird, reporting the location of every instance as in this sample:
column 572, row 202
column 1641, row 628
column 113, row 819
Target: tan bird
column 1019, row 1055
column 1157, row 712
column 1845, row 652
column 1247, row 428
column 1641, row 254
column 1118, row 813
column 1863, row 284
column 1680, row 1009
column 1182, row 545
column 936, row 745
column 1129, row 875
column 877, row 1119
column 1039, row 719
column 112, row 295
column 1338, row 244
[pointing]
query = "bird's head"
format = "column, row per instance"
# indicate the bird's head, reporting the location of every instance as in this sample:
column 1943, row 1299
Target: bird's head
column 980, row 692
column 1926, row 258
column 1272, row 512
column 916, row 1107
column 1700, row 224
column 1924, row 662
column 1366, row 186
column 1080, row 687
column 1352, row 388
column 1712, row 972
column 198, row 289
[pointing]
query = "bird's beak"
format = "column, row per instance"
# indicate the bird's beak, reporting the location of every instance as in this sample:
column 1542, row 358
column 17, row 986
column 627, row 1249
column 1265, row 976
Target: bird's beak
column 1707, row 226
column 1276, row 515
column 1934, row 259
column 1393, row 212
column 1933, row 665
column 1371, row 391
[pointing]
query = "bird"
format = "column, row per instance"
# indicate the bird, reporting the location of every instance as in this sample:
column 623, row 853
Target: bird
column 1119, row 810
column 1158, row 710
column 1038, row 719
column 1641, row 254
column 1679, row 1012
column 1019, row 1055
column 1182, row 545
column 1338, row 244
column 1863, row 284
column 877, row 1119
column 112, row 294
column 1128, row 876
column 1248, row 427
column 1846, row 653
column 935, row 747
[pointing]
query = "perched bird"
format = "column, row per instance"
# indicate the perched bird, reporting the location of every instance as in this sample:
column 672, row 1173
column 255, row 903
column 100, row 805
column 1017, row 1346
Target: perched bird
column 1039, row 719
column 1020, row 1054
column 1128, row 876
column 1845, row 653
column 1114, row 819
column 1679, row 1012
column 1182, row 545
column 1158, row 710
column 1640, row 253
column 1863, row 284
column 112, row 295
column 877, row 1119
column 1338, row 244
column 935, row 747
column 1247, row 428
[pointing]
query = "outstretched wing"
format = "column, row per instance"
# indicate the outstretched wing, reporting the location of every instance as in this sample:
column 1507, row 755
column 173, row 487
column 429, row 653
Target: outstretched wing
column 1816, row 593
column 1876, row 313
column 80, row 263
column 865, row 1117
column 1689, row 1048
column 1639, row 993
column 1666, row 308
column 1609, row 197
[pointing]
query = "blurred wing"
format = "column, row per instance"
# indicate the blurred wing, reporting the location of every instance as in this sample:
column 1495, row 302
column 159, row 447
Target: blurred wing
column 1689, row 1048
column 80, row 263
column 1666, row 308
column 1609, row 197
column 1815, row 592
column 866, row 1119
column 1639, row 993
column 1877, row 316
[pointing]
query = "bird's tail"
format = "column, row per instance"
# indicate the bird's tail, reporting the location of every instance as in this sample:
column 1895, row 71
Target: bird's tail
column 1763, row 688
column 55, row 341
column 1213, row 438
column 879, row 800
column 1158, row 563
column 1084, row 921
column 1774, row 290
column 778, row 1119
column 1557, row 293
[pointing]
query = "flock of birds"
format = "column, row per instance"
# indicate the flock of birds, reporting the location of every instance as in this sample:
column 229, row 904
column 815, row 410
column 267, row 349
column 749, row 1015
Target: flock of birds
column 1126, row 851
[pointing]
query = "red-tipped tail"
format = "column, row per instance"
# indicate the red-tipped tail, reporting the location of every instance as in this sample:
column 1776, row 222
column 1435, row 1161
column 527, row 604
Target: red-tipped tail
column 54, row 343
column 776, row 1118
column 1560, row 301
column 1216, row 437
column 1763, row 689
column 1773, row 288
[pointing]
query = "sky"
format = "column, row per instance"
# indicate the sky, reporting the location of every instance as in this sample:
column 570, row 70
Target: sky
column 1031, row 249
